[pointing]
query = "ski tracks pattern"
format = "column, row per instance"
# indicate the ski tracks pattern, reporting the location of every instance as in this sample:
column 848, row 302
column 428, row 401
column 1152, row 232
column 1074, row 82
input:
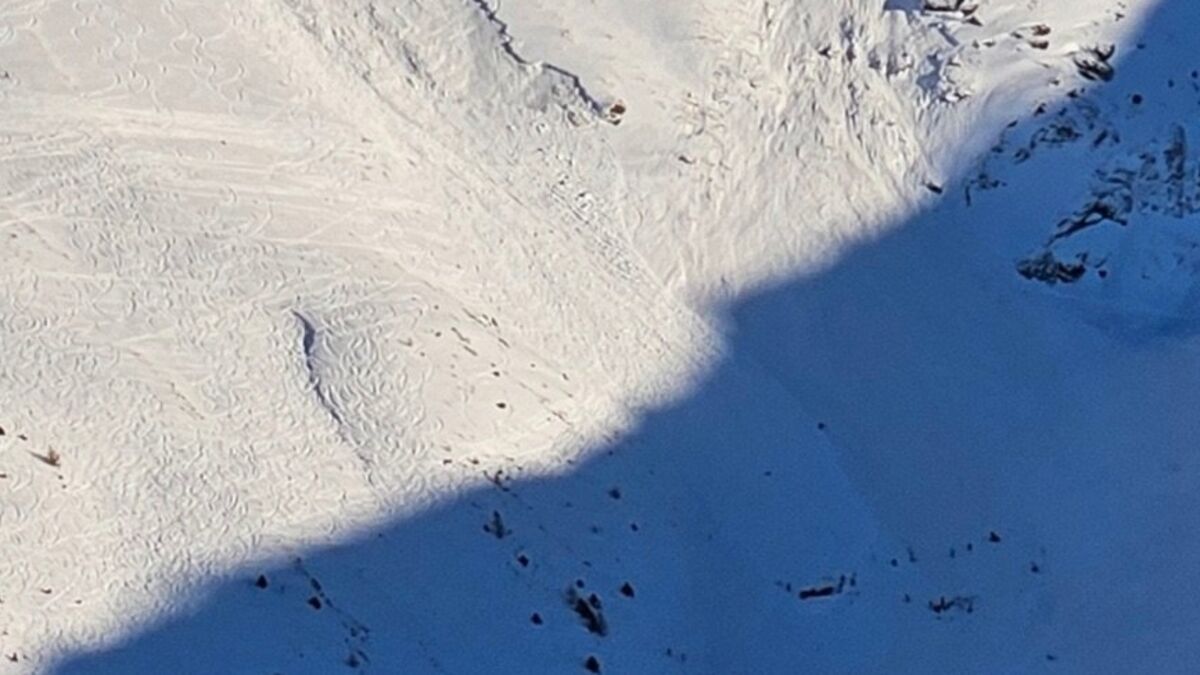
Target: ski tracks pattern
column 263, row 305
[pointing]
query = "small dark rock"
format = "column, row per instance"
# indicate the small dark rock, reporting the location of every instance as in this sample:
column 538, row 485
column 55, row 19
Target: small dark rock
column 261, row 581
column 592, row 664
column 942, row 5
column 960, row 602
column 817, row 592
column 589, row 611
column 496, row 526
column 1093, row 63
column 314, row 602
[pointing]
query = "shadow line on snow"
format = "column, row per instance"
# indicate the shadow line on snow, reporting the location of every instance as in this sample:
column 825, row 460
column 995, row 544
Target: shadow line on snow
column 848, row 491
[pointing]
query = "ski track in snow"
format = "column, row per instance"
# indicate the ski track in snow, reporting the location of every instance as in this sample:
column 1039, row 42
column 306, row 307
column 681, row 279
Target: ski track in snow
column 366, row 320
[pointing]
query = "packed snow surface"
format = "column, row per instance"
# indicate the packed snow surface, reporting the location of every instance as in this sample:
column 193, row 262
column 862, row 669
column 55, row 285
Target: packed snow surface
column 786, row 336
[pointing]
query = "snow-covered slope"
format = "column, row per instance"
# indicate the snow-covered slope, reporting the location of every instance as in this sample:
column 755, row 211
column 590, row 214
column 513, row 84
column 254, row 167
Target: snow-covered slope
column 394, row 336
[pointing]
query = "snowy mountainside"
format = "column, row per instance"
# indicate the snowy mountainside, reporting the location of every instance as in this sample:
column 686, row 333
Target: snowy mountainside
column 395, row 336
column 1122, row 239
column 894, row 99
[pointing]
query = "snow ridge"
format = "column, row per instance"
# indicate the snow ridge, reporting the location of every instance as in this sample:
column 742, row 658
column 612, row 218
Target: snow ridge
column 308, row 344
column 506, row 43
